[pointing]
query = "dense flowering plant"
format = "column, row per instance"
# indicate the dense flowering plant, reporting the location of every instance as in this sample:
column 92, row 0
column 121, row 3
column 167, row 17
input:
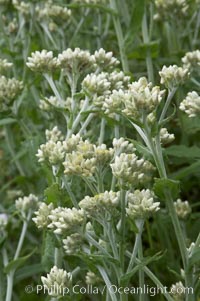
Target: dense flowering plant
column 99, row 150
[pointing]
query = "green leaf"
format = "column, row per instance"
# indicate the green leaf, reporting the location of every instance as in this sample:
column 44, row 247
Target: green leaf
column 6, row 121
column 186, row 171
column 165, row 187
column 28, row 271
column 48, row 251
column 191, row 125
column 54, row 194
column 15, row 264
column 125, row 278
column 195, row 258
column 182, row 151
column 142, row 50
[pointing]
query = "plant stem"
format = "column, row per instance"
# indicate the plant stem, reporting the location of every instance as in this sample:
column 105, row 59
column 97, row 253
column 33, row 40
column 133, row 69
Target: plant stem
column 53, row 86
column 10, row 276
column 167, row 103
column 140, row 224
column 146, row 40
column 120, row 37
column 122, row 227
column 102, row 131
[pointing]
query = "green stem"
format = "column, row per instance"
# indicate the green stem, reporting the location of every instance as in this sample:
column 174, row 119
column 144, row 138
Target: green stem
column 140, row 225
column 53, row 86
column 146, row 40
column 120, row 37
column 141, row 272
column 102, row 131
column 10, row 276
column 122, row 227
column 167, row 103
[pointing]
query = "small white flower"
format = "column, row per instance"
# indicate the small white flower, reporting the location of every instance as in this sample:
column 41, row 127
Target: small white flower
column 42, row 61
column 26, row 203
column 56, row 281
column 72, row 244
column 178, row 291
column 42, row 215
column 173, row 76
column 165, row 136
column 191, row 104
column 191, row 59
column 141, row 204
column 66, row 220
column 182, row 208
column 105, row 59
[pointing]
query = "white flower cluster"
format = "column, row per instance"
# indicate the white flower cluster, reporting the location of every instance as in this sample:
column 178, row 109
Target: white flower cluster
column 165, row 136
column 66, row 220
column 42, row 215
column 53, row 12
column 72, row 244
column 57, row 278
column 182, row 208
column 23, row 7
column 191, row 104
column 52, row 102
column 178, row 291
column 105, row 59
column 168, row 8
column 76, row 60
column 4, row 65
column 9, row 89
column 99, row 204
column 139, row 98
column 141, row 204
column 128, row 168
column 42, row 61
column 3, row 222
column 173, row 76
column 26, row 203
column 91, row 278
column 122, row 146
column 191, row 60
column 101, row 86
column 85, row 158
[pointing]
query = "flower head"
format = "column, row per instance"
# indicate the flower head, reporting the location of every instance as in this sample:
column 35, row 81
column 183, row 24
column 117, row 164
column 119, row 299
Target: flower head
column 56, row 281
column 141, row 204
column 42, row 61
column 173, row 76
column 191, row 104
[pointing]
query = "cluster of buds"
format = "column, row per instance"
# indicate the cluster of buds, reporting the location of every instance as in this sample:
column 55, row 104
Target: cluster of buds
column 165, row 9
column 143, row 98
column 191, row 104
column 23, row 7
column 42, row 215
column 141, row 204
column 52, row 12
column 100, row 203
column 42, row 61
column 72, row 244
column 178, row 291
column 9, row 90
column 52, row 102
column 173, row 76
column 26, row 204
column 66, row 220
column 122, row 146
column 56, row 281
column 182, row 208
column 91, row 278
column 128, row 168
column 165, row 136
column 191, row 60
column 4, row 65
column 105, row 60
